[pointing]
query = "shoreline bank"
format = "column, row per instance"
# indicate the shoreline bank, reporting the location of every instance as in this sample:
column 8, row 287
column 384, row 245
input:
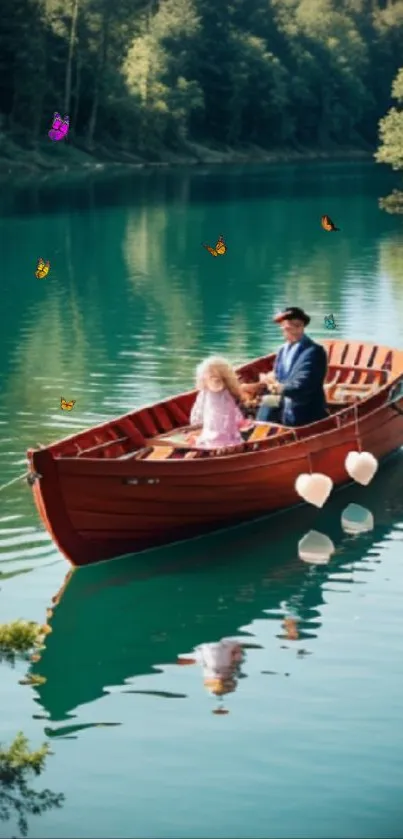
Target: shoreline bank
column 51, row 160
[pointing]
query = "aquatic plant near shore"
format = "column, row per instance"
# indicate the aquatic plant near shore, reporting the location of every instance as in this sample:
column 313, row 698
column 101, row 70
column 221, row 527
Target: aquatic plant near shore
column 17, row 762
column 21, row 637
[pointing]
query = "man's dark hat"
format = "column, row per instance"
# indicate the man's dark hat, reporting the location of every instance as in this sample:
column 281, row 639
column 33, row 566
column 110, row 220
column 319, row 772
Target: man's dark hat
column 292, row 313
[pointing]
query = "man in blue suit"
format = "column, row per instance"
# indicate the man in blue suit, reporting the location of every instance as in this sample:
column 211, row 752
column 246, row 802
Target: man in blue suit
column 298, row 376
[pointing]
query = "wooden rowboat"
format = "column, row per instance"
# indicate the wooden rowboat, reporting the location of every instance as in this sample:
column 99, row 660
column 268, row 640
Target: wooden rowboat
column 135, row 483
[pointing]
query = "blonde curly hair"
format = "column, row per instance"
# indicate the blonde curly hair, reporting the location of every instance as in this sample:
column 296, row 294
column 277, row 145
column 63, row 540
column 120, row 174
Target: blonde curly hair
column 222, row 368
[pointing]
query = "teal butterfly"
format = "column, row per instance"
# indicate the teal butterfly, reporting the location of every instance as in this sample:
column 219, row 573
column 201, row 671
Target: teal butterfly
column 330, row 322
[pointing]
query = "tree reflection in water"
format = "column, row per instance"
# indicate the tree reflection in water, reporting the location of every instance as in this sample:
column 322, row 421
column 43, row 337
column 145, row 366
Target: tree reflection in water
column 17, row 799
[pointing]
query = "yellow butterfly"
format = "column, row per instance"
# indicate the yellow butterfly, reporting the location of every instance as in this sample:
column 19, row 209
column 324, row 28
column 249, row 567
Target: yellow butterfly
column 67, row 406
column 42, row 268
column 219, row 249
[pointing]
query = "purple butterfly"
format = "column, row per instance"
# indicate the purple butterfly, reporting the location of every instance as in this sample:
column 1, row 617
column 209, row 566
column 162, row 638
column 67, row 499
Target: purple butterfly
column 59, row 128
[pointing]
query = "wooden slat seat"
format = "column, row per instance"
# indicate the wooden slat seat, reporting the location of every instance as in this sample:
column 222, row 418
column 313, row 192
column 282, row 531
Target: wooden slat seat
column 263, row 430
column 348, row 390
column 357, row 377
column 333, row 369
column 176, row 437
column 341, row 394
column 160, row 453
column 163, row 448
column 259, row 432
column 355, row 381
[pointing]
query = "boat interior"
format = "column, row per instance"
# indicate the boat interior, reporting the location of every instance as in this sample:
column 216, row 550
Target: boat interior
column 162, row 431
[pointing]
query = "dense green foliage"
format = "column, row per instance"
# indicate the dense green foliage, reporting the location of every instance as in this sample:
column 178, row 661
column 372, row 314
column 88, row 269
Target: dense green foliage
column 145, row 76
column 391, row 147
column 17, row 763
column 391, row 129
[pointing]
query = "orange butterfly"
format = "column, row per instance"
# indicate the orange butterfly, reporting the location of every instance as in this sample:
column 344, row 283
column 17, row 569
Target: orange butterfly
column 67, row 406
column 42, row 268
column 327, row 224
column 219, row 249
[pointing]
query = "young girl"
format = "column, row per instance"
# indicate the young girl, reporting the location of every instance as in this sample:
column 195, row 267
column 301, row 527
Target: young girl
column 215, row 406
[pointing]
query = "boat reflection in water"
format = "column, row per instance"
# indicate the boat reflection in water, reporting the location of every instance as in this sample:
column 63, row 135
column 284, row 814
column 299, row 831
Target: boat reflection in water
column 131, row 617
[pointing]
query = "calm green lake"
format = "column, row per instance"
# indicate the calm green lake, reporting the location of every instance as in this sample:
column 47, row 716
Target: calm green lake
column 312, row 744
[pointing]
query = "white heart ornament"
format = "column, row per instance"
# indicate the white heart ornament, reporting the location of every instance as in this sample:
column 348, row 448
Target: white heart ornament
column 315, row 488
column 315, row 548
column 361, row 466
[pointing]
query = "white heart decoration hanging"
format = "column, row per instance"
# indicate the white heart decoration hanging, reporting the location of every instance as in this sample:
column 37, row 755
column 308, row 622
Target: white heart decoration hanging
column 361, row 466
column 315, row 488
column 315, row 548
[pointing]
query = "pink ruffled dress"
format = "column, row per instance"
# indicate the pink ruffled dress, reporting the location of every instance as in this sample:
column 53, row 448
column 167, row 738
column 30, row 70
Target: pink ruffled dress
column 221, row 419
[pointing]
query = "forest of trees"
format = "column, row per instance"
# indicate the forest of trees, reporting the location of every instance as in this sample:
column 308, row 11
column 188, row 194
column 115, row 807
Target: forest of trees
column 150, row 76
column 391, row 146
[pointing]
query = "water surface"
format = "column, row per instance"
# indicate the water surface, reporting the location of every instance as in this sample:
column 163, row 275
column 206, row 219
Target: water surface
column 312, row 743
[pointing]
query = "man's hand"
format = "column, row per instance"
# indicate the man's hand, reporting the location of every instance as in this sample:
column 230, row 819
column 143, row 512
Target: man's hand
column 267, row 378
column 276, row 387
